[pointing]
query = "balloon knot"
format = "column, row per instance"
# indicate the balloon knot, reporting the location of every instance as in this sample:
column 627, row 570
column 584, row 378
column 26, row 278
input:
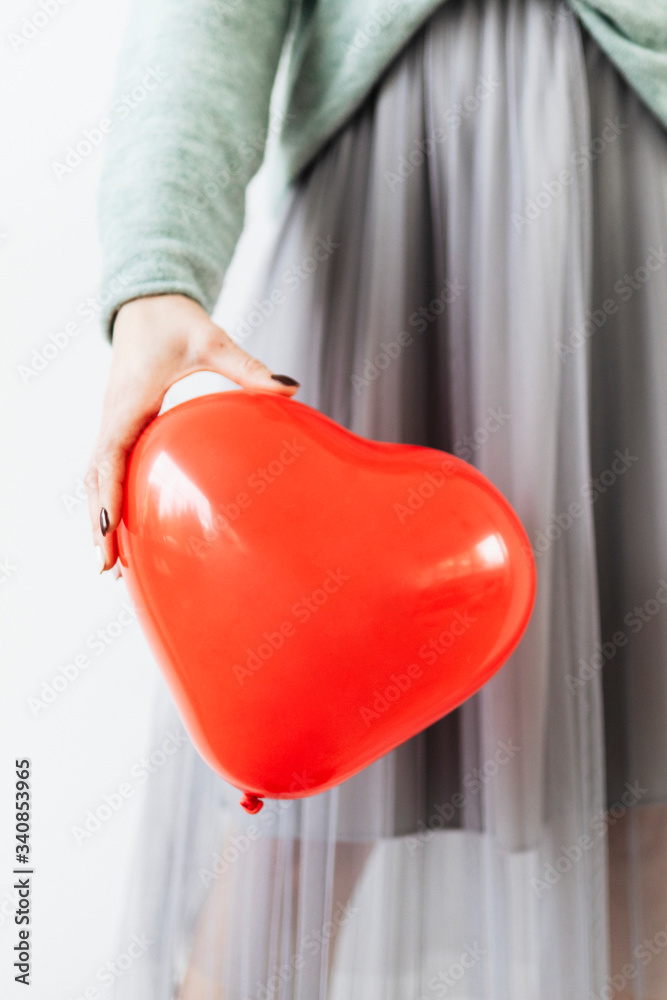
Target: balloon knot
column 251, row 803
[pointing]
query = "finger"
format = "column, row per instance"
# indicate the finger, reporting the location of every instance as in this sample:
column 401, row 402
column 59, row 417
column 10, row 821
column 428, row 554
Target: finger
column 111, row 477
column 105, row 544
column 121, row 426
column 90, row 482
column 236, row 364
column 120, row 430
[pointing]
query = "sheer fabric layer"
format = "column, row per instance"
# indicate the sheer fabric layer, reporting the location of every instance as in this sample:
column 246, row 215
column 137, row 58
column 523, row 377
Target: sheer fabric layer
column 474, row 263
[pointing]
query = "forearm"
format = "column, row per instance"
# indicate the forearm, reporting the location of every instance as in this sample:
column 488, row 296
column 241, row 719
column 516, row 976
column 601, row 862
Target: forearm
column 179, row 159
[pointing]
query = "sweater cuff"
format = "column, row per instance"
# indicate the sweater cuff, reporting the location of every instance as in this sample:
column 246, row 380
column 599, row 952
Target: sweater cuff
column 159, row 271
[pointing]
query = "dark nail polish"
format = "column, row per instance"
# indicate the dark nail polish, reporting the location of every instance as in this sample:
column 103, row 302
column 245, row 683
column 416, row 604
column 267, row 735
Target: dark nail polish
column 285, row 380
column 104, row 520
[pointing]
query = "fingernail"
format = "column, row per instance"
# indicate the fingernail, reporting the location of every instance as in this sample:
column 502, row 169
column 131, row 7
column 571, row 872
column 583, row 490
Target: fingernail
column 104, row 521
column 285, row 380
column 99, row 558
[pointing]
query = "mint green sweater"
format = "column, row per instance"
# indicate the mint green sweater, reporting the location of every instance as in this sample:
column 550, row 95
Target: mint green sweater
column 191, row 115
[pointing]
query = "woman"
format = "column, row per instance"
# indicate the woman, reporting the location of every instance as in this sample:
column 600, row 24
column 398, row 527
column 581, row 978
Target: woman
column 487, row 193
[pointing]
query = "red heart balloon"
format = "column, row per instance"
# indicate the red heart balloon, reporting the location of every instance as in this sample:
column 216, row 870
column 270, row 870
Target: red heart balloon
column 314, row 598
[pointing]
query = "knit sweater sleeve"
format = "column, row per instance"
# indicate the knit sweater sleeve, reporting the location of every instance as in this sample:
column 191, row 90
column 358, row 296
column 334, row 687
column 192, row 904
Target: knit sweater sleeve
column 187, row 131
column 633, row 33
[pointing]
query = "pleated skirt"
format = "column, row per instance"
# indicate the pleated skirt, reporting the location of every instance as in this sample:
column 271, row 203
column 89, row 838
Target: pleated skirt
column 476, row 262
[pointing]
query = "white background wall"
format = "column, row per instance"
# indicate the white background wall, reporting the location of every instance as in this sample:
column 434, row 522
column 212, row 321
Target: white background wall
column 85, row 743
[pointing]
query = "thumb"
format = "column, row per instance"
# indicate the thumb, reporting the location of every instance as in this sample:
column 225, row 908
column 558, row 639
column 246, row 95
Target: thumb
column 236, row 364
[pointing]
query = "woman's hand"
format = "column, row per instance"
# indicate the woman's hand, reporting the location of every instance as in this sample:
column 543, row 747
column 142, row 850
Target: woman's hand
column 157, row 340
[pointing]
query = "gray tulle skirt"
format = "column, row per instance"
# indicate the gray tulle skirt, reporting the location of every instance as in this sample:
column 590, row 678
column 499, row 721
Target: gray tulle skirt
column 476, row 262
